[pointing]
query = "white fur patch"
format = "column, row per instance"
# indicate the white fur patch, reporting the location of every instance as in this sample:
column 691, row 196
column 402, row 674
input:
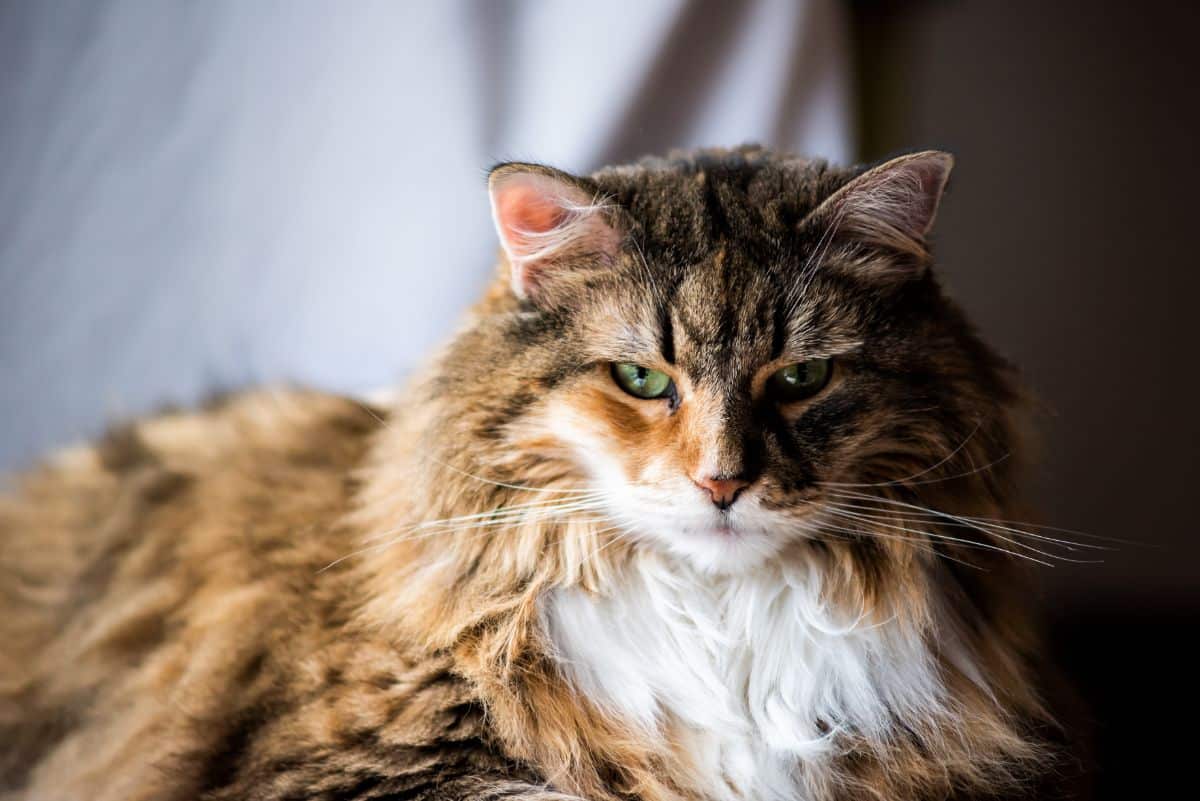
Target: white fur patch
column 759, row 670
column 667, row 511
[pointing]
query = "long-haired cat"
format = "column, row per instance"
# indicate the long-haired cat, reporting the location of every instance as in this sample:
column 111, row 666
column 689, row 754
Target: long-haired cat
column 710, row 498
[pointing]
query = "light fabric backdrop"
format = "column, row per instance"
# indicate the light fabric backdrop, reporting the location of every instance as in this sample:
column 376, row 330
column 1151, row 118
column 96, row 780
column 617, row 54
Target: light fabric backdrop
column 199, row 196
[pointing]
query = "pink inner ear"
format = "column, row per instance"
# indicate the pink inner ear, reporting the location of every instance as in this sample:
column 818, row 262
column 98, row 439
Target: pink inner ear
column 547, row 225
column 526, row 210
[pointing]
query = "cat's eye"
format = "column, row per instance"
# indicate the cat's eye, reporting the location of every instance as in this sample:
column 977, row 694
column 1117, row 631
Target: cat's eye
column 642, row 382
column 799, row 381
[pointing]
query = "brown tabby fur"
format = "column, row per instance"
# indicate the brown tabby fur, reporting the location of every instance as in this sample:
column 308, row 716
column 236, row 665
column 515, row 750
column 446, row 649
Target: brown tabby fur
column 191, row 609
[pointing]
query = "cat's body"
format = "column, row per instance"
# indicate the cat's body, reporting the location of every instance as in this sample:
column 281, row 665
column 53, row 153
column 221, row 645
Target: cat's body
column 168, row 632
column 507, row 586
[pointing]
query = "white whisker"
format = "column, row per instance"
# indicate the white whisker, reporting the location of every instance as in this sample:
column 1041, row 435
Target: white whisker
column 480, row 523
column 502, row 513
column 893, row 524
column 976, row 524
column 980, row 523
column 926, row 471
column 826, row 526
column 504, row 484
column 948, row 538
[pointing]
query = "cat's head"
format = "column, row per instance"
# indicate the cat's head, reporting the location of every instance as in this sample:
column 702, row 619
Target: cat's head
column 719, row 351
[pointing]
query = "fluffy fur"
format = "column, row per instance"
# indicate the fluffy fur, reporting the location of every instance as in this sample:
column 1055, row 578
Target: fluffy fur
column 511, row 585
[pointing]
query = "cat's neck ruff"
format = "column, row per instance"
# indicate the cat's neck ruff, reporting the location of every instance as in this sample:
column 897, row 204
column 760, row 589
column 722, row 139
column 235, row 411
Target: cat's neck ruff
column 753, row 678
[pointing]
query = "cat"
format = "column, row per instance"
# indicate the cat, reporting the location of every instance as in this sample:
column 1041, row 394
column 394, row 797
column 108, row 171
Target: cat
column 711, row 497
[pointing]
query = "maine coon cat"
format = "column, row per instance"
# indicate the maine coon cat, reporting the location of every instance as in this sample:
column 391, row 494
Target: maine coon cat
column 711, row 497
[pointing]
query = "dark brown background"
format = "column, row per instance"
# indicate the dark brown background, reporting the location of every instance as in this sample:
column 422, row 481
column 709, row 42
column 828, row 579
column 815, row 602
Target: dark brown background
column 1070, row 234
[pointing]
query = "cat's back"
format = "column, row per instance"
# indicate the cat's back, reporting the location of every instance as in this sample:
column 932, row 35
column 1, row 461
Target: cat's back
column 152, row 585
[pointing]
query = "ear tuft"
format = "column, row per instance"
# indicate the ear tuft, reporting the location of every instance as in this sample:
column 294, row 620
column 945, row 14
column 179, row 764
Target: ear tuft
column 894, row 205
column 549, row 224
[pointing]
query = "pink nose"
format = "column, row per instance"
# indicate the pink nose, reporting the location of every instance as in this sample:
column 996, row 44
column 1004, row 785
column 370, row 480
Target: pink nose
column 722, row 491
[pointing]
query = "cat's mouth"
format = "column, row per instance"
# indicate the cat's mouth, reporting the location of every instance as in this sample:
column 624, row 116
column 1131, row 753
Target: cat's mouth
column 727, row 525
column 724, row 526
column 675, row 520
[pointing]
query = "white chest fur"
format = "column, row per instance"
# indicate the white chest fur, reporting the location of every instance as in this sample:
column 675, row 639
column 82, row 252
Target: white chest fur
column 758, row 670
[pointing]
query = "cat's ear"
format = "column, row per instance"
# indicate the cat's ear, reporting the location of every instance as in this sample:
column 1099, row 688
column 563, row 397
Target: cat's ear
column 891, row 206
column 552, row 226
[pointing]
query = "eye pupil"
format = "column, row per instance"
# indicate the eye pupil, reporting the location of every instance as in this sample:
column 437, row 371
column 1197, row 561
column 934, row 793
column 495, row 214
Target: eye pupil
column 642, row 382
column 801, row 380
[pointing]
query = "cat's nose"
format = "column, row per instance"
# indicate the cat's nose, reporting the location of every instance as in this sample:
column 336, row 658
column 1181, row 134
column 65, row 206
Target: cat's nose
column 722, row 490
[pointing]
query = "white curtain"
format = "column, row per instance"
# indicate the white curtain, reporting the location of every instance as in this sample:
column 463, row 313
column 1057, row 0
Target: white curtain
column 199, row 196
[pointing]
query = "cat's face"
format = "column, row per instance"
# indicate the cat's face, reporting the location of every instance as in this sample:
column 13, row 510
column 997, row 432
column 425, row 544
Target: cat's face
column 717, row 342
column 708, row 420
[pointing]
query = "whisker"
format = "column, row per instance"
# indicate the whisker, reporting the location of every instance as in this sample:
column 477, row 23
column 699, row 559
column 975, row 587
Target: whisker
column 504, row 512
column 505, row 484
column 927, row 470
column 886, row 520
column 809, row 271
column 976, row 524
column 481, row 523
column 827, row 527
column 948, row 538
column 478, row 529
column 388, row 425
column 658, row 295
column 971, row 472
column 595, row 553
column 492, row 520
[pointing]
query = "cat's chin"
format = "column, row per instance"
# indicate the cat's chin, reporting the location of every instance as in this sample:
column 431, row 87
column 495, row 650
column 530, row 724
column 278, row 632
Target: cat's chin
column 726, row 543
column 722, row 549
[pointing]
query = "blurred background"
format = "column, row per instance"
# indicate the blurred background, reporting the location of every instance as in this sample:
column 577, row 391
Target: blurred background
column 196, row 197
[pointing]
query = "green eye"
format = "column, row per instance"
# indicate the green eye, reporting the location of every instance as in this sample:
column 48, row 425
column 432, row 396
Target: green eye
column 799, row 381
column 642, row 382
